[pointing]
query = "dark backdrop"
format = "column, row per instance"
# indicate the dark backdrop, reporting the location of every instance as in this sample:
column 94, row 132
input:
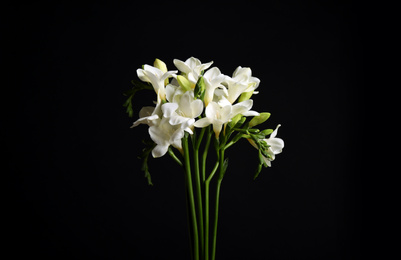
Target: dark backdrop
column 77, row 188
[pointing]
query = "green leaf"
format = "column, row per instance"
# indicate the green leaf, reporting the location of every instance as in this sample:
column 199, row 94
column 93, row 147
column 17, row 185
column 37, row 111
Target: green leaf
column 258, row 170
column 144, row 157
column 138, row 85
column 257, row 120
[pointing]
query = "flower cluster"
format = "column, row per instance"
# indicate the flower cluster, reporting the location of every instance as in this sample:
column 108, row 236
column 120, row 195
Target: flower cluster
column 198, row 95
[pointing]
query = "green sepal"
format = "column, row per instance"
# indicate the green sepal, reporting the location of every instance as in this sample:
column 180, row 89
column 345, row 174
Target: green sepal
column 257, row 120
column 138, row 85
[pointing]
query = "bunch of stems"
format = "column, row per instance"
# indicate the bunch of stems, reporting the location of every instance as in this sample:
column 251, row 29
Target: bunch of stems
column 203, row 228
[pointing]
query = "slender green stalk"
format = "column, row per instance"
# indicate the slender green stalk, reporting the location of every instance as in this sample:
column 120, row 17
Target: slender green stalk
column 172, row 154
column 216, row 205
column 216, row 217
column 204, row 156
column 198, row 194
column 207, row 185
column 192, row 208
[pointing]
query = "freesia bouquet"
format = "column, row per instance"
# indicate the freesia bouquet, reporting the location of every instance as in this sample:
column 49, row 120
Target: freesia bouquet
column 195, row 106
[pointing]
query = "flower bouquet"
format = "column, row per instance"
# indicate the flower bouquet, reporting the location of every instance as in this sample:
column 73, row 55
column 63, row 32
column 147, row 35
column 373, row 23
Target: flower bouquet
column 198, row 110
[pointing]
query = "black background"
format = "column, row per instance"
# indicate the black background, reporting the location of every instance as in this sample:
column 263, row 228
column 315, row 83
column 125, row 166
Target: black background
column 77, row 188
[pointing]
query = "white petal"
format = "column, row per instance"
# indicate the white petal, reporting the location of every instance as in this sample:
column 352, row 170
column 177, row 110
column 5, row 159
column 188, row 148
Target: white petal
column 251, row 113
column 272, row 135
column 197, row 108
column 203, row 122
column 182, row 66
column 276, row 144
column 169, row 109
column 176, row 120
column 141, row 75
column 185, row 104
column 225, row 113
column 168, row 74
column 170, row 90
column 159, row 150
column 146, row 111
column 205, row 66
column 217, row 126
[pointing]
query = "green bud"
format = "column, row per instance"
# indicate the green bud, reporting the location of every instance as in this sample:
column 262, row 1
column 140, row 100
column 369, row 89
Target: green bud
column 257, row 120
column 235, row 120
column 245, row 96
column 184, row 82
column 253, row 131
column 200, row 87
column 267, row 132
column 160, row 65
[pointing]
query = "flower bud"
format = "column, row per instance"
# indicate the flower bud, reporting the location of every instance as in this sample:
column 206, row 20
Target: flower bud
column 245, row 96
column 160, row 65
column 199, row 91
column 257, row 120
column 184, row 82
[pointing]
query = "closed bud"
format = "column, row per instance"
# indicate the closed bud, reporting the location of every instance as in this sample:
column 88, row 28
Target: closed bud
column 257, row 120
column 266, row 132
column 184, row 83
column 245, row 96
column 235, row 120
column 199, row 91
column 160, row 65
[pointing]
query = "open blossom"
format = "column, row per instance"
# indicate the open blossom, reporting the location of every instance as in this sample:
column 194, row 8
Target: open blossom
column 217, row 115
column 213, row 79
column 192, row 68
column 148, row 115
column 276, row 146
column 184, row 111
column 241, row 81
column 156, row 77
column 164, row 134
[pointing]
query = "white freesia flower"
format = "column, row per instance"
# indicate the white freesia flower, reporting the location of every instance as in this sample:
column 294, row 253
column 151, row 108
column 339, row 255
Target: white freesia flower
column 164, row 134
column 213, row 79
column 276, row 146
column 192, row 68
column 157, row 78
column 219, row 115
column 148, row 115
column 184, row 111
column 241, row 81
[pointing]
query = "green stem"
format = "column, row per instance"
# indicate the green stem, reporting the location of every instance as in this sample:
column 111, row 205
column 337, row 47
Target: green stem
column 172, row 154
column 188, row 181
column 204, row 156
column 216, row 211
column 199, row 198
column 207, row 185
